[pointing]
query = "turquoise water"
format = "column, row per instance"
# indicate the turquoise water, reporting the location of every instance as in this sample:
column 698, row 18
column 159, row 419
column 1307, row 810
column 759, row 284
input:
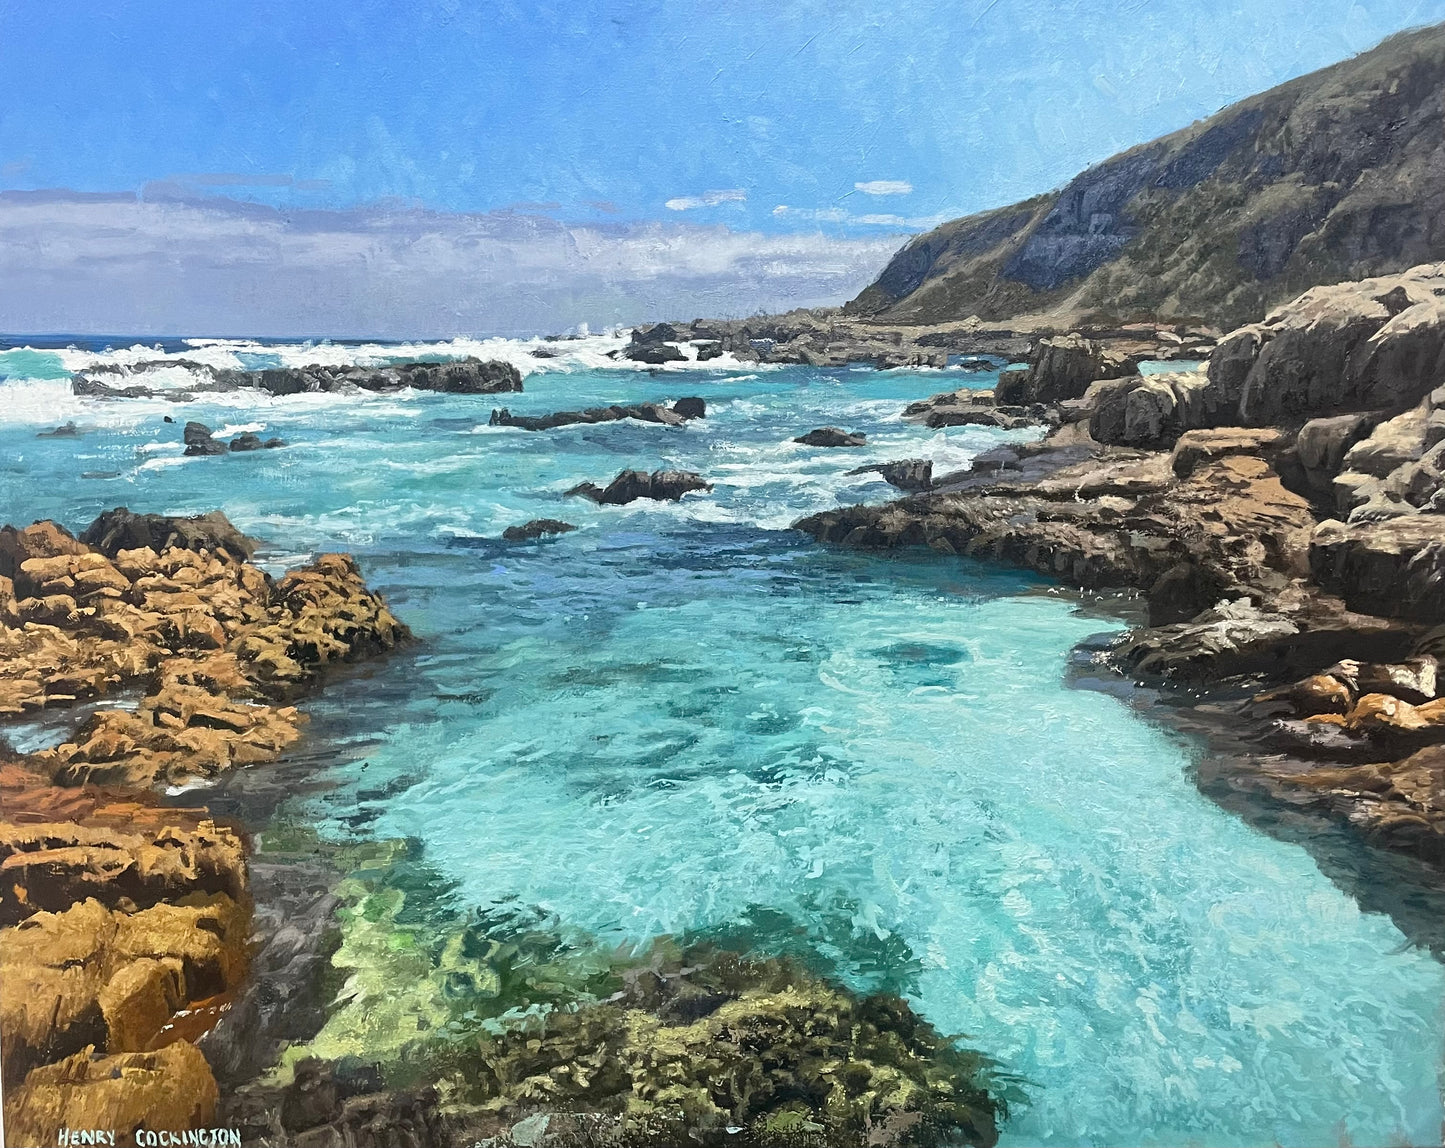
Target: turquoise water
column 686, row 716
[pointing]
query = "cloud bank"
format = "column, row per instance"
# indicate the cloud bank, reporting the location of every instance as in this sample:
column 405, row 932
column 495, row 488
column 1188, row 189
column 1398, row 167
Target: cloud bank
column 115, row 264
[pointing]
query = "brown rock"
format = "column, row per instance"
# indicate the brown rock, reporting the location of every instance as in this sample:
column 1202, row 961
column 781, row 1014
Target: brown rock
column 171, row 1088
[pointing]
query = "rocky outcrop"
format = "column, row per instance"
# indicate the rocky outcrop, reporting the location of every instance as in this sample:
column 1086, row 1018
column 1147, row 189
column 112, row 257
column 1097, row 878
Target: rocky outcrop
column 250, row 441
column 831, row 436
column 911, row 474
column 170, row 1088
column 124, row 923
column 1221, row 522
column 679, row 413
column 60, row 846
column 537, row 528
column 973, row 408
column 123, row 529
column 113, row 980
column 1372, row 345
column 1329, row 176
column 1062, row 368
column 469, row 376
column 198, row 440
column 655, row 345
column 1394, row 567
column 630, row 485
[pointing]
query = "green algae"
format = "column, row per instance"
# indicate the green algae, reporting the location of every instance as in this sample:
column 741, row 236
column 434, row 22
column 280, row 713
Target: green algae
column 509, row 1013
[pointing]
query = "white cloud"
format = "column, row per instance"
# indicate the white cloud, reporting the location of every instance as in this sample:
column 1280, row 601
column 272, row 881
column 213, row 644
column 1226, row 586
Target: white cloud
column 706, row 199
column 109, row 263
column 884, row 187
column 872, row 219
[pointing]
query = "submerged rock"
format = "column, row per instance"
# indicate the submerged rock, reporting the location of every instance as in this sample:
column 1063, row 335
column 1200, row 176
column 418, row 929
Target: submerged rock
column 69, row 430
column 528, row 1025
column 630, row 485
column 537, row 528
column 831, row 436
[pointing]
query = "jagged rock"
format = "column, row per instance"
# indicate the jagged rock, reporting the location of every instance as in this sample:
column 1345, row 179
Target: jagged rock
column 112, row 980
column 1391, row 445
column 461, row 376
column 537, row 528
column 910, row 474
column 1064, row 366
column 40, row 540
column 971, row 408
column 198, row 440
column 1394, row 567
column 1198, row 446
column 60, row 846
column 1337, row 349
column 170, row 1088
column 708, row 350
column 630, row 485
column 691, row 407
column 250, row 441
column 123, row 529
column 657, row 333
column 654, row 354
column 831, row 436
column 1319, row 450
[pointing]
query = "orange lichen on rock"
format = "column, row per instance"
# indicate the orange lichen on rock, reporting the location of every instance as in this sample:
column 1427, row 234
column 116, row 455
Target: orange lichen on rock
column 119, row 913
column 169, row 1088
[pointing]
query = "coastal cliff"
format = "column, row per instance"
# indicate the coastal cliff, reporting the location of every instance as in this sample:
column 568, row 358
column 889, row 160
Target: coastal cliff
column 1333, row 175
column 1279, row 513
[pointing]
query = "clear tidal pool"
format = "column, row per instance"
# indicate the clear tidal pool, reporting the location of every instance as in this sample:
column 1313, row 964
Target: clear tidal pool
column 686, row 717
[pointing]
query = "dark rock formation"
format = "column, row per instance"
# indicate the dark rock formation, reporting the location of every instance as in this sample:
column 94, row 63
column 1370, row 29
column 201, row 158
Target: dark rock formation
column 1393, row 567
column 249, row 441
column 910, row 474
column 537, row 528
column 198, row 440
column 69, row 430
column 1062, row 368
column 973, row 408
column 1329, row 176
column 654, row 345
column 470, row 376
column 123, row 529
column 831, row 436
column 680, row 412
column 630, row 485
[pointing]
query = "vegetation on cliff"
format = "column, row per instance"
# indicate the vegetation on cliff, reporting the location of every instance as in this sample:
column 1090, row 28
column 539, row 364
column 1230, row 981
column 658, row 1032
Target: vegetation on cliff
column 1331, row 176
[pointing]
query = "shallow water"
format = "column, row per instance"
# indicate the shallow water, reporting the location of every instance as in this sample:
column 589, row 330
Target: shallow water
column 687, row 717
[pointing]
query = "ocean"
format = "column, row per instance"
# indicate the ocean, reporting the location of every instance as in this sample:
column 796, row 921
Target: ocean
column 684, row 717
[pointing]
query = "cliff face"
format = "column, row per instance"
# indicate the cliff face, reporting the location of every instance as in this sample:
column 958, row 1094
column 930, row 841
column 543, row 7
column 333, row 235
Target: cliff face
column 1336, row 175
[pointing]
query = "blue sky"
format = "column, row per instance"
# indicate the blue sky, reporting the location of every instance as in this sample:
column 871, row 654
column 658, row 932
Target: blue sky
column 630, row 104
column 855, row 119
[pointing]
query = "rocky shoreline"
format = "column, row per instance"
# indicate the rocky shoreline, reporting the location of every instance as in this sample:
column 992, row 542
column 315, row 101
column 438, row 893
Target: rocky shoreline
column 829, row 337
column 154, row 976
column 127, row 921
column 1277, row 514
